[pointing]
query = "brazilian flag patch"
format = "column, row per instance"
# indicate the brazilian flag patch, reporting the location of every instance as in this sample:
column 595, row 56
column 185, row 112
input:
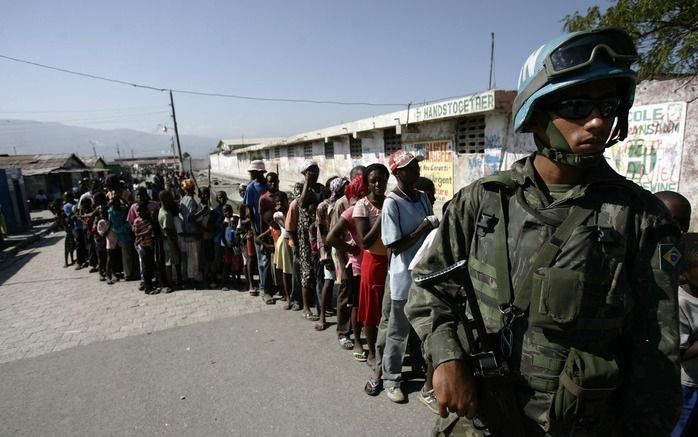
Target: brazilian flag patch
column 669, row 257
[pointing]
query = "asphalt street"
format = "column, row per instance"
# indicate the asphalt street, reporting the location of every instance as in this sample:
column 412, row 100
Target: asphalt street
column 82, row 358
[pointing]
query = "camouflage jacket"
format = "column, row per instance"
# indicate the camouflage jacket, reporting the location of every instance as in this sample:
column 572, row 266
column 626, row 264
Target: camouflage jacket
column 604, row 312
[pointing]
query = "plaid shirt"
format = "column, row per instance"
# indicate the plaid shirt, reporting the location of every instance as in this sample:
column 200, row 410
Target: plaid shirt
column 144, row 232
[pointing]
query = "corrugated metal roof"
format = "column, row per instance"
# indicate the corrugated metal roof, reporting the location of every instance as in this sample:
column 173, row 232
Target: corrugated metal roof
column 41, row 164
column 92, row 162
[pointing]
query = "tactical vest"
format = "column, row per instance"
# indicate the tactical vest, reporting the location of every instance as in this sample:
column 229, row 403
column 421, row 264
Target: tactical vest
column 566, row 270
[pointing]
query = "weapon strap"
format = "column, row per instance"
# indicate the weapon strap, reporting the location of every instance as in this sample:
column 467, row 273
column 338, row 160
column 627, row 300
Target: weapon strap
column 502, row 263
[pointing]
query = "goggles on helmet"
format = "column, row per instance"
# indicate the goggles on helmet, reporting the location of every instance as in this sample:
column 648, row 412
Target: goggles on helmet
column 580, row 108
column 580, row 51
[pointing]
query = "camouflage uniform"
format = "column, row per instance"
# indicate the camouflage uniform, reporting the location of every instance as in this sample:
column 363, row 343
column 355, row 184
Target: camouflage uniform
column 604, row 311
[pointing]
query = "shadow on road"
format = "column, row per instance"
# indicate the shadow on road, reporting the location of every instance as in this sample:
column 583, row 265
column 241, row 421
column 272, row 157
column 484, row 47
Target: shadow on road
column 11, row 266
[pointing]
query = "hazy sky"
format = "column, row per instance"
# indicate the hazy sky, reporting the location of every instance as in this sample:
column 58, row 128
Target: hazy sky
column 352, row 51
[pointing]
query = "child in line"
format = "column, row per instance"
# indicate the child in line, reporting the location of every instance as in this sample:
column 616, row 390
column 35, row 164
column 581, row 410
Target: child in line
column 266, row 240
column 100, row 242
column 232, row 259
column 104, row 229
column 63, row 223
column 249, row 255
column 283, row 258
column 143, row 230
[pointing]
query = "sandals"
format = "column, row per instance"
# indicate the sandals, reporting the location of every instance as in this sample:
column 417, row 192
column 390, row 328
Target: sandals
column 319, row 326
column 346, row 343
column 269, row 300
column 310, row 316
column 361, row 356
column 254, row 292
column 373, row 386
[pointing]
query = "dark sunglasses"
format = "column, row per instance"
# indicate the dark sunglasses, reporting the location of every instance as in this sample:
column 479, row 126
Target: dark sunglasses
column 580, row 108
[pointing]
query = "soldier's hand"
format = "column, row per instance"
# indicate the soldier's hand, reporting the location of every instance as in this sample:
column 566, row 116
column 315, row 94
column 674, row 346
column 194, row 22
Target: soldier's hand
column 455, row 389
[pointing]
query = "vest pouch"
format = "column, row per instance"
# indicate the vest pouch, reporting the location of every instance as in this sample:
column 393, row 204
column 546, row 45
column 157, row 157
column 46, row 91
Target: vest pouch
column 586, row 383
column 556, row 298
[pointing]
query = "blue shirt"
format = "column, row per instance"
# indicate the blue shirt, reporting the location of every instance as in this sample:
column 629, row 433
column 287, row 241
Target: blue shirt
column 120, row 226
column 229, row 237
column 251, row 200
column 220, row 224
column 399, row 218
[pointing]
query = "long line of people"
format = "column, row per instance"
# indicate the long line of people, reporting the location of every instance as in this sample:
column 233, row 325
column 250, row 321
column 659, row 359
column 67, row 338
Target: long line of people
column 342, row 248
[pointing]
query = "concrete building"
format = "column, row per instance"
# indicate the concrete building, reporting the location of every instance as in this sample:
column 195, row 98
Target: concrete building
column 461, row 139
column 469, row 137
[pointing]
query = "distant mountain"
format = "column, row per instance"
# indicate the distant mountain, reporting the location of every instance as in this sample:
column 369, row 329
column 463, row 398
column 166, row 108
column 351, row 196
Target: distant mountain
column 31, row 137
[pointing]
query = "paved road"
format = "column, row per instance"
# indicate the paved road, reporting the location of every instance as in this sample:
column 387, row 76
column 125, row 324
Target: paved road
column 82, row 358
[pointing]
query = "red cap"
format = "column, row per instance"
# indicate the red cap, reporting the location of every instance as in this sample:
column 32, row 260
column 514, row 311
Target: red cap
column 400, row 158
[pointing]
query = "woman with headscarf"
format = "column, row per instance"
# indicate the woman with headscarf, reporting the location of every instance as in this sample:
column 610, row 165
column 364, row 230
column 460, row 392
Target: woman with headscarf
column 326, row 271
column 189, row 207
column 351, row 248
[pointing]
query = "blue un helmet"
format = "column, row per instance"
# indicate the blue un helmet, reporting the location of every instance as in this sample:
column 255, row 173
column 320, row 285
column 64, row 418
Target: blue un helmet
column 571, row 60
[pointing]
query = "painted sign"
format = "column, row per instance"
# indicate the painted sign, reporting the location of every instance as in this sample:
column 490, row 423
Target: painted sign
column 461, row 106
column 651, row 154
column 437, row 164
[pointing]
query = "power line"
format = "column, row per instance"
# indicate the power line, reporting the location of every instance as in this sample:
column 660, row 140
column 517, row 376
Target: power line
column 22, row 125
column 80, row 110
column 197, row 93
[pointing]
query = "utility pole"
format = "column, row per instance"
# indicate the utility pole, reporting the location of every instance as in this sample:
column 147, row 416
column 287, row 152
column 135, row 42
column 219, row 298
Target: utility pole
column 15, row 149
column 118, row 151
column 94, row 151
column 179, row 146
column 132, row 153
column 491, row 60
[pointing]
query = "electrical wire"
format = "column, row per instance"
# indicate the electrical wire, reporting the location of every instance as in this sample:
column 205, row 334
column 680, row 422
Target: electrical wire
column 197, row 93
column 81, row 110
column 18, row 126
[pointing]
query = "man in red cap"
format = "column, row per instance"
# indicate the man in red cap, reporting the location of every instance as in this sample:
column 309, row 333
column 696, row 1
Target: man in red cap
column 407, row 218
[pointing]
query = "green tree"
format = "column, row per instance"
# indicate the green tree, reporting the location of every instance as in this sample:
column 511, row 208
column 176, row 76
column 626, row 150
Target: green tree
column 665, row 32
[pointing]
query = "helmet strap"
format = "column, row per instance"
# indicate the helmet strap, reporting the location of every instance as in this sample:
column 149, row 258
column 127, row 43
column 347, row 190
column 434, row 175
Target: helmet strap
column 559, row 150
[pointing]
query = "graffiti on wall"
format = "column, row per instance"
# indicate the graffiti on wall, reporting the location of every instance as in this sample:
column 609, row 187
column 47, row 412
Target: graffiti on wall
column 437, row 164
column 493, row 153
column 651, row 154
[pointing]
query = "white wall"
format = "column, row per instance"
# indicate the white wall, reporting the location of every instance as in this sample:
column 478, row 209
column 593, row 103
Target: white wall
column 502, row 149
column 502, row 145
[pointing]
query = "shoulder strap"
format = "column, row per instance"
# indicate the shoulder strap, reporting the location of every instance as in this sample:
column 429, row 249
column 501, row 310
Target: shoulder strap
column 549, row 251
column 501, row 178
column 495, row 202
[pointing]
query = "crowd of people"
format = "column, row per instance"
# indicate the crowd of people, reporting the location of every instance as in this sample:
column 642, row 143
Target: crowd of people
column 345, row 248
column 323, row 250
column 573, row 271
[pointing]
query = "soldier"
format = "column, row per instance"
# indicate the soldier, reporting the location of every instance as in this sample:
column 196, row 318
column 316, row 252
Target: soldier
column 573, row 266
